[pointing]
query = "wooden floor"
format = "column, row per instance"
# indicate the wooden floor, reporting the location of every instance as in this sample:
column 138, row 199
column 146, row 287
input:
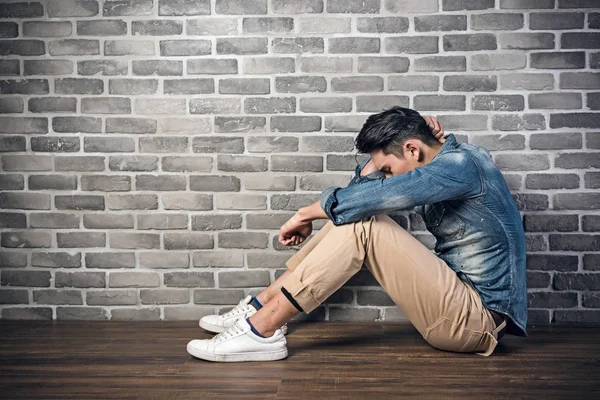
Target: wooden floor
column 148, row 360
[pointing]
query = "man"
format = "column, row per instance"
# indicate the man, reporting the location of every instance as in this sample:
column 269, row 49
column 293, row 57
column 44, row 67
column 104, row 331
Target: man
column 462, row 298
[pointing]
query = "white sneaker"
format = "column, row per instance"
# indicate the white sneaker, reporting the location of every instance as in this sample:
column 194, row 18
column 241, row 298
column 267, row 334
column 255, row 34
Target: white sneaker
column 219, row 323
column 239, row 343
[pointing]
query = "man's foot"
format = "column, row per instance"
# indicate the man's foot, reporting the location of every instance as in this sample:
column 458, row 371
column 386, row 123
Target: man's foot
column 219, row 323
column 239, row 343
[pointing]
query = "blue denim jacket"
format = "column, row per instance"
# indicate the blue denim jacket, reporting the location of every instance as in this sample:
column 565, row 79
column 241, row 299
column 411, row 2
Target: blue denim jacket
column 466, row 205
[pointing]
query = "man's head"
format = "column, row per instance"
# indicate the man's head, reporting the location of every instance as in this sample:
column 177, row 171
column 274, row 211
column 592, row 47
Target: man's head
column 398, row 140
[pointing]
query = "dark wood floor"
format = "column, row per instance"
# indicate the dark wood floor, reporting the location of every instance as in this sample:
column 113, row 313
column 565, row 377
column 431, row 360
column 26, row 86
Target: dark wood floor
column 148, row 360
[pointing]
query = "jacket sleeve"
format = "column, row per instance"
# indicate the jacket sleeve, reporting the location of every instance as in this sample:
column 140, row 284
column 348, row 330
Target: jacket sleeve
column 360, row 179
column 452, row 175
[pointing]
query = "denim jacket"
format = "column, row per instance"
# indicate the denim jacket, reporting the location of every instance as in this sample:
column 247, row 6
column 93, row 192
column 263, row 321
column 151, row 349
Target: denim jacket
column 466, row 205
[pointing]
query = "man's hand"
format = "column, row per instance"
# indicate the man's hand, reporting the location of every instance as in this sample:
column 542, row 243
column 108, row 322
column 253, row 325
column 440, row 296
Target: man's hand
column 436, row 127
column 294, row 231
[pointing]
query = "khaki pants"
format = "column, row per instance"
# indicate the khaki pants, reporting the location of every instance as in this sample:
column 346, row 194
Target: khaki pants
column 445, row 310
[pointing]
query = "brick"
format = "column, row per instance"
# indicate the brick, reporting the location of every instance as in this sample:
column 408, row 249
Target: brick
column 241, row 163
column 353, row 45
column 306, row 6
column 243, row 240
column 160, row 182
column 268, row 25
column 292, row 202
column 128, row 240
column 163, row 260
column 551, row 223
column 12, row 259
column 25, row 201
column 342, row 162
column 102, row 67
column 25, row 86
column 212, row 66
column 324, row 25
column 270, row 144
column 592, row 180
column 25, row 47
column 591, row 300
column 215, row 183
column 157, row 67
column 25, row 278
column 300, row 84
column 556, row 20
column 108, row 221
column 575, row 242
column 500, row 142
column 163, row 144
column 189, row 279
column 110, row 260
column 357, row 84
column 325, row 104
column 552, row 300
column 501, row 61
column 527, row 122
column 216, row 222
column 464, row 122
column 420, row 83
column 269, row 105
column 296, row 163
column 441, row 23
column 134, row 279
column 11, row 67
column 162, row 221
column 575, row 120
column 552, row 181
column 379, row 103
column 48, row 67
column 239, row 124
column 12, row 220
column 133, row 163
column 470, row 83
column 383, row 64
column 52, row 104
column 577, row 201
column 576, row 281
column 187, row 241
column 411, row 6
column 535, row 243
column 522, row 162
column 177, row 86
column 111, row 297
column 470, row 42
column 218, row 296
column 187, row 164
column 590, row 223
column 591, row 262
column 12, row 182
column 551, row 262
column 558, row 60
column 164, row 296
column 383, row 24
column 295, row 124
column 26, row 163
column 353, row 314
column 134, row 314
column 81, row 239
column 439, row 103
column 526, row 4
column 580, row 80
column 108, row 145
column 53, row 296
column 592, row 140
column 373, row 298
column 526, row 41
column 218, row 259
column 266, row 221
column 583, row 40
column 23, row 125
column 173, row 48
column 411, row 45
column 18, row 296
column 593, row 101
column 12, row 105
column 12, row 143
column 577, row 160
column 498, row 103
column 531, row 201
column 298, row 45
column 132, row 202
column 179, row 201
column 26, row 239
column 27, row 313
column 497, row 21
column 106, row 183
column 241, row 46
column 243, row 279
column 353, row 6
column 555, row 101
column 55, row 144
column 157, row 28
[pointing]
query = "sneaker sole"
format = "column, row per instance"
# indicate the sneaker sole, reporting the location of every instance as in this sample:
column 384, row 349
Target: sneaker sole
column 237, row 357
column 218, row 329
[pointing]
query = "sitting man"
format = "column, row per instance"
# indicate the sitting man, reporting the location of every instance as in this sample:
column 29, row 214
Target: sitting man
column 461, row 298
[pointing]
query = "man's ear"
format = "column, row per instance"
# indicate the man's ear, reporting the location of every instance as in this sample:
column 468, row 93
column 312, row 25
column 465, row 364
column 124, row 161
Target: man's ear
column 413, row 151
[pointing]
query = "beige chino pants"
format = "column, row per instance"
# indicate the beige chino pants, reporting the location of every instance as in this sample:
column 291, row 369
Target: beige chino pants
column 445, row 310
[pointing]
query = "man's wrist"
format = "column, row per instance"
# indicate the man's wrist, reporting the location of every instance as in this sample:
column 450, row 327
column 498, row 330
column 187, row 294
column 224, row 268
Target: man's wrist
column 310, row 213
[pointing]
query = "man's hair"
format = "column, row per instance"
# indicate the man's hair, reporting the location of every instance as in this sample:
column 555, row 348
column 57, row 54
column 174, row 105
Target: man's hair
column 390, row 129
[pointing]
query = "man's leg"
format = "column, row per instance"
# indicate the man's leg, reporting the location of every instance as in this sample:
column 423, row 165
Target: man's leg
column 447, row 312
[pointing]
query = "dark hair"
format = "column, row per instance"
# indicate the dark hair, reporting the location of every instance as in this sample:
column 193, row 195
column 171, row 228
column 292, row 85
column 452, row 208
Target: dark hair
column 389, row 129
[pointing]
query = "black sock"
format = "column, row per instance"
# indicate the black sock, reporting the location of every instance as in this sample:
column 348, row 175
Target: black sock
column 254, row 302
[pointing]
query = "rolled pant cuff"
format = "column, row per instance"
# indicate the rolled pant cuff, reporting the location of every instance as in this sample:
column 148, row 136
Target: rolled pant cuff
column 300, row 293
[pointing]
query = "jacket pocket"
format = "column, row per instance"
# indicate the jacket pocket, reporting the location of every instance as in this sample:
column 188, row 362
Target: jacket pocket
column 442, row 223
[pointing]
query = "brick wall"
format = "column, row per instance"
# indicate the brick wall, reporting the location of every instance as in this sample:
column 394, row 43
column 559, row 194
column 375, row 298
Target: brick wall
column 151, row 149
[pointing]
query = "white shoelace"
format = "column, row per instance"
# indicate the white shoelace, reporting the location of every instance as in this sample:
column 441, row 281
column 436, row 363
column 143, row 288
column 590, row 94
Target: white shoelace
column 232, row 331
column 240, row 308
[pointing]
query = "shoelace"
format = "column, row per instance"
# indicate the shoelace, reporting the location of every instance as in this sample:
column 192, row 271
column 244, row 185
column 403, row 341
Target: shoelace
column 232, row 331
column 241, row 307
